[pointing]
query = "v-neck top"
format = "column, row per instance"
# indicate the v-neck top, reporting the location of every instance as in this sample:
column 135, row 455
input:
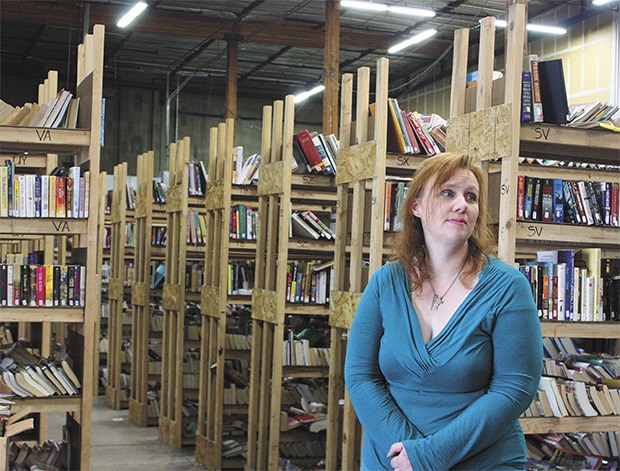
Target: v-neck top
column 455, row 401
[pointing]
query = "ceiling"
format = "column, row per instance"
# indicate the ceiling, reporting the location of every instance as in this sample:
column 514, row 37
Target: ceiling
column 280, row 41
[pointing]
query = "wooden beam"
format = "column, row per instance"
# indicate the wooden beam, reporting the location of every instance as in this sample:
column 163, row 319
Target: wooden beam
column 331, row 76
column 285, row 33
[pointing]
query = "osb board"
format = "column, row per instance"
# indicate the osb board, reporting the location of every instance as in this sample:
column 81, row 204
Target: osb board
column 215, row 195
column 140, row 210
column 115, row 290
column 271, row 179
column 206, row 451
column 140, row 293
column 342, row 307
column 174, row 199
column 210, row 301
column 356, row 162
column 115, row 215
column 486, row 134
column 171, row 299
column 264, row 305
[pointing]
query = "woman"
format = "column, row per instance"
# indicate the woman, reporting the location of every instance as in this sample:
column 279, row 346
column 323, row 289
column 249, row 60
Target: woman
column 445, row 350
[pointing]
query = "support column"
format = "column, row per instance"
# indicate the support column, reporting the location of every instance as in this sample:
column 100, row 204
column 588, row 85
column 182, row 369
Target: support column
column 231, row 70
column 331, row 77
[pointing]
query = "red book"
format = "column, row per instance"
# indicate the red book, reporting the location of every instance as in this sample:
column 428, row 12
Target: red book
column 422, row 139
column 313, row 157
column 61, row 197
column 69, row 197
column 614, row 203
column 40, row 284
column 521, row 198
column 411, row 133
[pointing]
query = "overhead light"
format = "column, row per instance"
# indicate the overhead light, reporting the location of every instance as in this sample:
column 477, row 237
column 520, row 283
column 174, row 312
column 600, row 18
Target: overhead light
column 372, row 6
column 131, row 14
column 601, row 2
column 536, row 28
column 418, row 38
column 305, row 95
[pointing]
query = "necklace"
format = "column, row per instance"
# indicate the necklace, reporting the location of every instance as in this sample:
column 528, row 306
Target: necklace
column 438, row 300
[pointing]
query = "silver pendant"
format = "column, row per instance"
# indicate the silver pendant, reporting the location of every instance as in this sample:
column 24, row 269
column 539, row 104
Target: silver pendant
column 437, row 301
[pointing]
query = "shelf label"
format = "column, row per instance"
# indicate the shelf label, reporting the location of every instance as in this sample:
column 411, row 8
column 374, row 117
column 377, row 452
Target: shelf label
column 44, row 135
column 303, row 244
column 534, row 231
column 403, row 161
column 20, row 159
column 61, row 226
column 307, row 179
column 541, row 133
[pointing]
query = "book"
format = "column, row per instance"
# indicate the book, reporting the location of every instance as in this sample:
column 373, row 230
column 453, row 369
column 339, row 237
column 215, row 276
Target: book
column 531, row 64
column 526, row 96
column 300, row 228
column 553, row 91
column 310, row 151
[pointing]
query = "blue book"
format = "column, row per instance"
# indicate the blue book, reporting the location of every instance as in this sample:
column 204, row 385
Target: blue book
column 529, row 198
column 568, row 257
column 558, row 200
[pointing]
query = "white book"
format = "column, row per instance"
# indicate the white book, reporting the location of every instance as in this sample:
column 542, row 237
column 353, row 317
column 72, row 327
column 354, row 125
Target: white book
column 583, row 399
column 30, row 196
column 550, row 386
column 4, row 192
column 59, row 106
column 45, row 180
column 22, row 195
column 576, row 295
column 561, row 291
column 301, row 228
column 74, row 173
column 9, row 286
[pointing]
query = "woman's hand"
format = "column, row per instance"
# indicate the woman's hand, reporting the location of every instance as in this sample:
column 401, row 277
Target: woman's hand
column 400, row 462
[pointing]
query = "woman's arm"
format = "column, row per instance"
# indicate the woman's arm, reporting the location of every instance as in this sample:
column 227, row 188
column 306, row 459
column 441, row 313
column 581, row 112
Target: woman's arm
column 383, row 421
column 517, row 364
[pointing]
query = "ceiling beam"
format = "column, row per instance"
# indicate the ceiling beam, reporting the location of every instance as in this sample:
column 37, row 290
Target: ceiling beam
column 286, row 33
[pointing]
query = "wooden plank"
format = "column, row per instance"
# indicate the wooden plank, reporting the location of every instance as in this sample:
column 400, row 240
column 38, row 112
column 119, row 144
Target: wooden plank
column 49, row 140
column 486, row 57
column 590, row 330
column 343, row 305
column 271, row 179
column 459, row 72
column 569, row 424
column 567, row 233
column 48, row 226
column 37, row 314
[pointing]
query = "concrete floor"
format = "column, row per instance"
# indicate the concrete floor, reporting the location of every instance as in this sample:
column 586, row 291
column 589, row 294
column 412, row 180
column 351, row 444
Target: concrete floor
column 118, row 444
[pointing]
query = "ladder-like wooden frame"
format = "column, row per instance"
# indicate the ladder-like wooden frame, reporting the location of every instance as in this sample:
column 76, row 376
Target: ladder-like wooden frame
column 214, row 298
column 116, row 288
column 141, row 291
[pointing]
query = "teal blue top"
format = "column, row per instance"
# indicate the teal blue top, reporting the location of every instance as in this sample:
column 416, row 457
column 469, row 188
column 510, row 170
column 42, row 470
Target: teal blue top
column 455, row 401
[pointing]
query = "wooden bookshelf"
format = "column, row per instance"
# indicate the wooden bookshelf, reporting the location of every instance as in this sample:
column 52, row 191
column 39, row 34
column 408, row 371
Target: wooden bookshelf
column 84, row 145
column 278, row 192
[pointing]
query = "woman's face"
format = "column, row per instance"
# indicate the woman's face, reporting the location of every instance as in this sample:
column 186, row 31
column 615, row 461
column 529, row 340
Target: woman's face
column 449, row 213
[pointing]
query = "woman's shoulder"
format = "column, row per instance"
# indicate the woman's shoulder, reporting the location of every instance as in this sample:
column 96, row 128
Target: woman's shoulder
column 497, row 267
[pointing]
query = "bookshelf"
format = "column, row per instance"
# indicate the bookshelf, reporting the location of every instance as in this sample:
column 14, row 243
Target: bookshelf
column 511, row 139
column 84, row 145
column 178, row 398
column 279, row 191
column 141, row 411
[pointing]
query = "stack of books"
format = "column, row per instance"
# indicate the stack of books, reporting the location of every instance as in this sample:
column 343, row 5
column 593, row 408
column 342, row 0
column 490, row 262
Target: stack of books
column 60, row 111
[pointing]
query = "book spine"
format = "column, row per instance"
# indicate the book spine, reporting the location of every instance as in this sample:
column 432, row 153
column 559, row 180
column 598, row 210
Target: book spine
column 3, row 285
column 526, row 96
column 45, row 196
column 537, row 200
column 615, row 199
column 547, row 200
column 579, row 204
column 69, row 196
column 595, row 207
column 4, row 192
column 521, row 197
column 537, row 108
column 49, row 285
column 585, row 198
column 52, row 196
column 39, row 271
column 309, row 150
column 558, row 200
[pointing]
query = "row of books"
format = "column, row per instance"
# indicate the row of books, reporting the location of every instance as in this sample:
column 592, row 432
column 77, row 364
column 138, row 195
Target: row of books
column 299, row 353
column 243, row 222
column 159, row 192
column 543, row 91
column 309, row 281
column 568, row 201
column 42, row 285
column 129, row 238
column 49, row 455
column 574, row 285
column 307, row 225
column 159, row 235
column 245, row 169
column 314, row 153
column 395, row 193
column 574, row 450
column 194, row 276
column 62, row 194
column 60, row 111
column 240, row 277
column 565, row 398
column 197, row 178
column 410, row 133
column 196, row 228
column 30, row 375
column 237, row 341
column 593, row 114
column 584, row 367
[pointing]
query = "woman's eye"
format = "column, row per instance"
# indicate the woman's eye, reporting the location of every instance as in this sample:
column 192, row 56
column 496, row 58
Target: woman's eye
column 472, row 197
column 447, row 193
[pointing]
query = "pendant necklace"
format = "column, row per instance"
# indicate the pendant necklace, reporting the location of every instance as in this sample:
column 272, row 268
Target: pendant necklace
column 438, row 300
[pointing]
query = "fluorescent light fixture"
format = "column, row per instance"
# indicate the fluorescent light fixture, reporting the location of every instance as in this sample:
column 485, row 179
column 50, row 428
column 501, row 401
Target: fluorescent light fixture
column 536, row 28
column 601, row 2
column 372, row 6
column 131, row 14
column 305, row 95
column 418, row 38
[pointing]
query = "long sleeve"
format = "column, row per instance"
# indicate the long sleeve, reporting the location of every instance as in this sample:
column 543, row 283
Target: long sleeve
column 517, row 360
column 383, row 421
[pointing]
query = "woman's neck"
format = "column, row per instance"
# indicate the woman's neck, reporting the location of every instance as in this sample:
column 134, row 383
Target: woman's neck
column 444, row 264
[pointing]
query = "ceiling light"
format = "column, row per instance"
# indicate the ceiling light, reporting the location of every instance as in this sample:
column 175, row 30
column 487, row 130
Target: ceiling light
column 131, row 14
column 536, row 28
column 305, row 95
column 372, row 6
column 601, row 2
column 413, row 40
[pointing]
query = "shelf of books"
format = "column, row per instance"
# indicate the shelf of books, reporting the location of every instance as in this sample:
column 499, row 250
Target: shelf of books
column 288, row 369
column 57, row 291
column 181, row 297
column 558, row 217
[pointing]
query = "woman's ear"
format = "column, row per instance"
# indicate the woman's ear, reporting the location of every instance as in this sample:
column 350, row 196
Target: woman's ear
column 415, row 208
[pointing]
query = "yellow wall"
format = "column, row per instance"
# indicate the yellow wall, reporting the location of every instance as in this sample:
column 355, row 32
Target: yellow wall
column 588, row 51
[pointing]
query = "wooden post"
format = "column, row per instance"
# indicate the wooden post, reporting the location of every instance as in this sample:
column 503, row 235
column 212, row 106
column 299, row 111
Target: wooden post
column 330, row 67
column 231, row 70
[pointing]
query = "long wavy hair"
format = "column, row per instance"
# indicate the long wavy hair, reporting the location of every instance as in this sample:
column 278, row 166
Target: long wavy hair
column 410, row 245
